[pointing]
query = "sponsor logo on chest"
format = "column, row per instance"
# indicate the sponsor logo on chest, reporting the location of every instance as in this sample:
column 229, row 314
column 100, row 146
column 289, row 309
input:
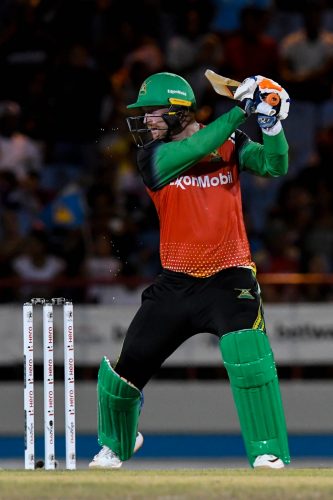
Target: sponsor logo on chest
column 202, row 181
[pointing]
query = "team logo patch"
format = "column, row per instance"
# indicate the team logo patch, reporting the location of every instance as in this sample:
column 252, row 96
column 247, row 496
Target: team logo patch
column 143, row 89
column 215, row 156
column 245, row 293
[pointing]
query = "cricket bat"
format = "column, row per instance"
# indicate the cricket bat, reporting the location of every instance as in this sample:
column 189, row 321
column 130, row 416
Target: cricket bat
column 227, row 87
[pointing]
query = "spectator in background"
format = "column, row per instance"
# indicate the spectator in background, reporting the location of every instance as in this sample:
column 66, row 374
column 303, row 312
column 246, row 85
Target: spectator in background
column 317, row 244
column 306, row 57
column 226, row 16
column 70, row 245
column 24, row 199
column 306, row 67
column 36, row 264
column 102, row 263
column 249, row 51
column 114, row 219
column 11, row 242
column 209, row 54
column 79, row 92
column 182, row 47
column 19, row 154
column 147, row 258
column 146, row 57
column 27, row 47
column 192, row 47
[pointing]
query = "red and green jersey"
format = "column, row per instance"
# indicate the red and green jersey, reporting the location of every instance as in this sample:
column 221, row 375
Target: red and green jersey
column 194, row 184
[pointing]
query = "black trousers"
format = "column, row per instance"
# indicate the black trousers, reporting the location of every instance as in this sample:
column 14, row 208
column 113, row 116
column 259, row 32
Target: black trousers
column 176, row 307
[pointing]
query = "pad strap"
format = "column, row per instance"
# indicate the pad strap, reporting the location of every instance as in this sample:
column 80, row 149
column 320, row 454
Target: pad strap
column 250, row 364
column 119, row 405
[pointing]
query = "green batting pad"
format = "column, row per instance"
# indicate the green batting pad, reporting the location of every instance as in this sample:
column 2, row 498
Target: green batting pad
column 119, row 406
column 250, row 364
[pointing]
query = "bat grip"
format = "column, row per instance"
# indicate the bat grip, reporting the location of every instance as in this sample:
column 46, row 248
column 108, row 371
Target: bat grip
column 272, row 99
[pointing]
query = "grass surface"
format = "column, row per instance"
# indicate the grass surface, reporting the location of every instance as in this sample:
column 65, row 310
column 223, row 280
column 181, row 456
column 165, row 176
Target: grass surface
column 180, row 484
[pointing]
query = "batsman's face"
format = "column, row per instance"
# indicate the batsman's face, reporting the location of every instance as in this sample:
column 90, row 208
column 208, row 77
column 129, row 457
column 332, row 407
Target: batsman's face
column 153, row 119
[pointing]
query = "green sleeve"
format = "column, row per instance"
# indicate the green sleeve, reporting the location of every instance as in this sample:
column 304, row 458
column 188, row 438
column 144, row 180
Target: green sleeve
column 168, row 160
column 269, row 159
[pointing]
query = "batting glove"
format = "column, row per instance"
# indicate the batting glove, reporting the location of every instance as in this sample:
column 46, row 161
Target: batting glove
column 264, row 96
column 266, row 123
column 248, row 95
column 272, row 93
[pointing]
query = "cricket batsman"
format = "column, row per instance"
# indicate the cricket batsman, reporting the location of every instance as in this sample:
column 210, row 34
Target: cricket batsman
column 208, row 281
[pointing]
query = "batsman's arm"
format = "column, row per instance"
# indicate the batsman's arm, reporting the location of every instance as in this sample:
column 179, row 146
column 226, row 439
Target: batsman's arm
column 269, row 159
column 164, row 162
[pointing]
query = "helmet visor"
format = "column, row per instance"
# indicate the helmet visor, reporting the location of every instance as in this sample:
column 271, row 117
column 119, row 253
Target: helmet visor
column 142, row 134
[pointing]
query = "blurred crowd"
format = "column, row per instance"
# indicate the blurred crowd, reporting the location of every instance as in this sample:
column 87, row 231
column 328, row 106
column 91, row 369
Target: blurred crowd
column 72, row 204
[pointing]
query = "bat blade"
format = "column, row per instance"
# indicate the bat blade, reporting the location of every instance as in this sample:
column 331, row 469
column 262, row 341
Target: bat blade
column 221, row 84
column 227, row 87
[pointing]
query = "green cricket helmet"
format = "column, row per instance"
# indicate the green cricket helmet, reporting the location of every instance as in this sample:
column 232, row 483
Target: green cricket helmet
column 162, row 90
column 165, row 89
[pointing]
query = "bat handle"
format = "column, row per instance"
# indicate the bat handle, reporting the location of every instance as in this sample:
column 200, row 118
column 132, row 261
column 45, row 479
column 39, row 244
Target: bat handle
column 272, row 99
